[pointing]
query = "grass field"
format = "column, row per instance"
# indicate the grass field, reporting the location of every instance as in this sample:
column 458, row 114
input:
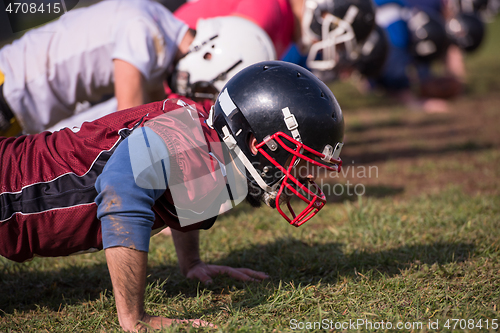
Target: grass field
column 419, row 247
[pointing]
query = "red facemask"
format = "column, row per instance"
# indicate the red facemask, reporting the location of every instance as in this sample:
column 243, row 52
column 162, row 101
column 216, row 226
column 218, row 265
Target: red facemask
column 315, row 199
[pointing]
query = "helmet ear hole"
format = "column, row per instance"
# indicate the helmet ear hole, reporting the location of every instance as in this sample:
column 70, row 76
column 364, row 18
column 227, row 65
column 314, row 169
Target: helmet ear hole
column 252, row 142
column 207, row 56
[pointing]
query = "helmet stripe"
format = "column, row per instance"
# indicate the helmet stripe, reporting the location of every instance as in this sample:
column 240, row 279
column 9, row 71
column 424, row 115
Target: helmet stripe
column 226, row 103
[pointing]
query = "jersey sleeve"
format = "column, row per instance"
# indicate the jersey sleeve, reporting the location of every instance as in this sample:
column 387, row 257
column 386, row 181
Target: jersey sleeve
column 141, row 44
column 135, row 176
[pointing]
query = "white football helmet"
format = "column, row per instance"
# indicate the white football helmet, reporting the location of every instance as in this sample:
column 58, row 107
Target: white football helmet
column 222, row 47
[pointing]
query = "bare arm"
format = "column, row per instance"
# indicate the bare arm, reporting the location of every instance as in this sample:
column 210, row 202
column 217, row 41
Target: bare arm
column 127, row 268
column 129, row 85
column 188, row 254
column 187, row 246
column 455, row 63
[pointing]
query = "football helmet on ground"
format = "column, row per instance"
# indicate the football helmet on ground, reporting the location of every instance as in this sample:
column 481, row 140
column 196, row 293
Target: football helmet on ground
column 293, row 117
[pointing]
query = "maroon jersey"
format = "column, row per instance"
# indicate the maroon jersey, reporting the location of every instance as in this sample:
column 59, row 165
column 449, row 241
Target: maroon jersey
column 47, row 182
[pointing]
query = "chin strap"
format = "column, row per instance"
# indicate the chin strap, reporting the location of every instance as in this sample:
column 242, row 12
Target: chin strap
column 337, row 150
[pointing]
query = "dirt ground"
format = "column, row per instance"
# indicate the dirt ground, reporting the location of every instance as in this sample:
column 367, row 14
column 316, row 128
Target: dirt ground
column 416, row 152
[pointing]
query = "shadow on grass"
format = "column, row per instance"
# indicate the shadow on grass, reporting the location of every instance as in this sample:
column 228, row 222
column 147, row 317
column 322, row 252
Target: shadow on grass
column 334, row 192
column 286, row 260
column 340, row 194
column 25, row 288
column 367, row 157
column 442, row 135
column 293, row 261
column 396, row 122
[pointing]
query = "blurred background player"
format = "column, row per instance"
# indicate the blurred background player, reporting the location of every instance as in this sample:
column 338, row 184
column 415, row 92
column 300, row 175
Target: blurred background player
column 466, row 30
column 92, row 75
column 222, row 47
column 409, row 38
column 372, row 54
column 122, row 48
column 326, row 32
column 466, row 22
column 417, row 38
column 279, row 18
column 450, row 83
column 335, row 32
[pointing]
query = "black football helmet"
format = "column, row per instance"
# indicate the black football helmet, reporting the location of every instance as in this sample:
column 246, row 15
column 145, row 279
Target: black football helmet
column 485, row 9
column 326, row 24
column 428, row 38
column 470, row 6
column 373, row 53
column 466, row 31
column 293, row 116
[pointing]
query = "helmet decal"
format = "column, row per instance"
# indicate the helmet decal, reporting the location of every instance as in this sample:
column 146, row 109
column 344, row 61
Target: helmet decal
column 226, row 103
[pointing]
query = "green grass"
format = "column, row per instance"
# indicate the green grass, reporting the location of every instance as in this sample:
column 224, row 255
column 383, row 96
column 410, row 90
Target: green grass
column 484, row 65
column 432, row 257
column 425, row 249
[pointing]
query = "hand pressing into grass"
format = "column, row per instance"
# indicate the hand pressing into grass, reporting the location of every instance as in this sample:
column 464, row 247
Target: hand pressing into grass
column 154, row 322
column 205, row 273
column 186, row 246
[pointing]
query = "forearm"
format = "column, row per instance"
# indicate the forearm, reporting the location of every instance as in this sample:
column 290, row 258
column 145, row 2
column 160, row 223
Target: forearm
column 187, row 246
column 127, row 268
column 455, row 63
